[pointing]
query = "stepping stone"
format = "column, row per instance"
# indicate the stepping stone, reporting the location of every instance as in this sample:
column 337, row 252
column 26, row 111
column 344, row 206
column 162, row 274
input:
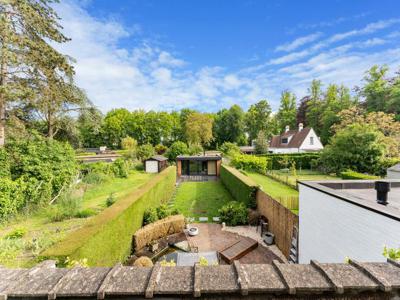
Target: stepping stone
column 203, row 219
column 216, row 219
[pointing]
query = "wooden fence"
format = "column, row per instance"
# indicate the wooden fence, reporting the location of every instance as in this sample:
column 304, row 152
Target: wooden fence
column 281, row 220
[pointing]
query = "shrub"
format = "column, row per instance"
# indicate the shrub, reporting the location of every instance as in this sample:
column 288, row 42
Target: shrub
column 150, row 216
column 129, row 143
column 241, row 187
column 234, row 213
column 355, row 175
column 229, row 149
column 120, row 168
column 250, row 162
column 17, row 233
column 277, row 161
column 106, row 238
column 195, row 149
column 85, row 213
column 160, row 149
column 4, row 163
column 391, row 253
column 356, row 147
column 145, row 151
column 176, row 149
column 95, row 178
column 110, row 200
column 99, row 167
column 66, row 207
column 12, row 197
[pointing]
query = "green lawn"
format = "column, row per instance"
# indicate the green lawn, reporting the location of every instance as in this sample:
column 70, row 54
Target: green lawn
column 273, row 187
column 302, row 175
column 201, row 199
column 42, row 233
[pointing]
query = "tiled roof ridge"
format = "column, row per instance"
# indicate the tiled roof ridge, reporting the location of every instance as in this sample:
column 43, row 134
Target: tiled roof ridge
column 367, row 280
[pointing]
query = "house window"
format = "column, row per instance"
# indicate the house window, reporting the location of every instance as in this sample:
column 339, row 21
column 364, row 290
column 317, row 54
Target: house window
column 284, row 140
column 311, row 140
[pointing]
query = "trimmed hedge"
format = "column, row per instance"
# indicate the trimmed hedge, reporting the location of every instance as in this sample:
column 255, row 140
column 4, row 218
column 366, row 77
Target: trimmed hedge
column 355, row 175
column 302, row 160
column 241, row 187
column 106, row 239
column 250, row 162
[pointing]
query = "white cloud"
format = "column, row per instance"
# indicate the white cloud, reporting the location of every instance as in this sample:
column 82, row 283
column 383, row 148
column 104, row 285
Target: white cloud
column 154, row 77
column 298, row 42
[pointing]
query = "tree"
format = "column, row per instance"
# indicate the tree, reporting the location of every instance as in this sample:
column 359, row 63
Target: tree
column 117, row 124
column 199, row 129
column 89, row 124
column 258, row 119
column 145, row 151
column 376, row 90
column 27, row 59
column 287, row 110
column 357, row 147
column 261, row 144
column 229, row 126
column 177, row 148
column 301, row 116
column 314, row 106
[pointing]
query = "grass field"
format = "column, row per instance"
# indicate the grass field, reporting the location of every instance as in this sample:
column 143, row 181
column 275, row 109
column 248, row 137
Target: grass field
column 40, row 232
column 201, row 199
column 302, row 175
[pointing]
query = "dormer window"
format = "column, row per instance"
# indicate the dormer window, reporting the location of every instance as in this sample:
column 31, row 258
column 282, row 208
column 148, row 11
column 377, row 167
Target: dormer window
column 284, row 140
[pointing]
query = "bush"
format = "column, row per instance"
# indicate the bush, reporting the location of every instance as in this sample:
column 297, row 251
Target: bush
column 106, row 238
column 250, row 162
column 4, row 163
column 150, row 216
column 95, row 178
column 234, row 213
column 66, row 207
column 241, row 187
column 356, row 147
column 16, row 233
column 160, row 149
column 229, row 149
column 120, row 168
column 110, row 200
column 281, row 161
column 154, row 214
column 355, row 175
column 12, row 197
column 85, row 213
column 145, row 151
column 176, row 149
column 99, row 167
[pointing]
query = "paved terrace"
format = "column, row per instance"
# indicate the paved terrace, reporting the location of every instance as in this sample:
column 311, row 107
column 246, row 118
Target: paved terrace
column 276, row 281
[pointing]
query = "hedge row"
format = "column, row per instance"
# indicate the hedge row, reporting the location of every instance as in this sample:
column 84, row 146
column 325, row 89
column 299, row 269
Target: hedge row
column 106, row 239
column 355, row 175
column 250, row 162
column 280, row 161
column 241, row 187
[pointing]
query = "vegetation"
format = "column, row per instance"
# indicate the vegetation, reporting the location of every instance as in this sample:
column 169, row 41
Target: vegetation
column 391, row 253
column 355, row 175
column 234, row 213
column 199, row 129
column 289, row 178
column 283, row 161
column 261, row 143
column 40, row 232
column 201, row 199
column 357, row 147
column 176, row 149
column 250, row 162
column 153, row 214
column 241, row 187
column 258, row 118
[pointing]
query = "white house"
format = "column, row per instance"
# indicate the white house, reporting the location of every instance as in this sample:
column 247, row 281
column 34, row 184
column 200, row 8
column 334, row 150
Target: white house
column 339, row 219
column 295, row 141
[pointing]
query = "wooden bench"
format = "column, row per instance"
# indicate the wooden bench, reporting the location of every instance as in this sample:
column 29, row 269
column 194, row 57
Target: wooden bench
column 238, row 249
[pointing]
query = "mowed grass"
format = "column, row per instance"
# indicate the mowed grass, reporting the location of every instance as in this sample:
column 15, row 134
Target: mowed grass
column 272, row 187
column 201, row 199
column 41, row 233
column 302, row 175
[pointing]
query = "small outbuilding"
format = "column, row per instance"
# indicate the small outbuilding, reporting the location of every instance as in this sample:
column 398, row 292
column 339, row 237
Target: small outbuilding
column 205, row 165
column 155, row 164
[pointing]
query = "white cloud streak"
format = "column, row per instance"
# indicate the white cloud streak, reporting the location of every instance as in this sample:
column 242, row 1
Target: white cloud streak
column 298, row 42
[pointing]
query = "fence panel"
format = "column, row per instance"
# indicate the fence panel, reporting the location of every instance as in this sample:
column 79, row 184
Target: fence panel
column 281, row 220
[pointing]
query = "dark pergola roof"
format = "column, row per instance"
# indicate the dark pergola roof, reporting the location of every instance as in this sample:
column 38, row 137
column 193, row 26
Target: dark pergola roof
column 199, row 157
column 158, row 158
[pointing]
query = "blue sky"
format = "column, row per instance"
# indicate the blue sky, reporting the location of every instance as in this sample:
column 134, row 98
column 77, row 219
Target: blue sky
column 211, row 54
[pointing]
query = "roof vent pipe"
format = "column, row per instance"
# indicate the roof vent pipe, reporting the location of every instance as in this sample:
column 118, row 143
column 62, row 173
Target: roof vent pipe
column 382, row 189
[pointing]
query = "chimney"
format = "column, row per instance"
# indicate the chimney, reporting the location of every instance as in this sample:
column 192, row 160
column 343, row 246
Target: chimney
column 382, row 189
column 300, row 127
column 287, row 128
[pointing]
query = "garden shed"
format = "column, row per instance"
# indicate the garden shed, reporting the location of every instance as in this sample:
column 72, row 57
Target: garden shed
column 155, row 164
column 207, row 165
